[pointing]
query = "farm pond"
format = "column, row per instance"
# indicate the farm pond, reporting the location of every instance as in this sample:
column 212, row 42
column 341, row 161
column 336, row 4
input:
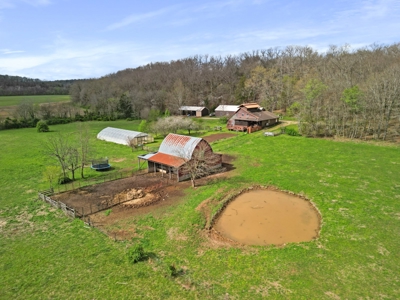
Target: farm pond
column 265, row 217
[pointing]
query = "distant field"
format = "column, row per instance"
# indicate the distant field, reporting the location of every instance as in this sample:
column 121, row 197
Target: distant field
column 37, row 99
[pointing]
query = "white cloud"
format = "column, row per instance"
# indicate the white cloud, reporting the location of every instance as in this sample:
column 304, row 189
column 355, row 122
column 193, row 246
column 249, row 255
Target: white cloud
column 138, row 18
column 8, row 51
column 215, row 9
column 66, row 59
column 369, row 9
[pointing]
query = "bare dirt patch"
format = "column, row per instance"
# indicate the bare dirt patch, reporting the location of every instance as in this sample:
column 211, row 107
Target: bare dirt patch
column 265, row 217
column 114, row 192
column 218, row 136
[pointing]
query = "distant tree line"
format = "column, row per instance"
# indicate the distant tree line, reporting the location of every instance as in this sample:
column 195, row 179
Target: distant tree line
column 342, row 92
column 27, row 115
column 20, row 86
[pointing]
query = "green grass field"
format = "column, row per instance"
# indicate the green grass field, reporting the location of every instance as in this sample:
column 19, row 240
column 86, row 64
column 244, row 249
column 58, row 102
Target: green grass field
column 37, row 99
column 45, row 255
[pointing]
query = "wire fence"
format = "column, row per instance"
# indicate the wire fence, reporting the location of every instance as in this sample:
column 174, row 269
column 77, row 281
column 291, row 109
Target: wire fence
column 96, row 180
column 85, row 212
column 81, row 212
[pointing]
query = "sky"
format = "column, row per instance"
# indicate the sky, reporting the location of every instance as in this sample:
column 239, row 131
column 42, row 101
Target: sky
column 71, row 39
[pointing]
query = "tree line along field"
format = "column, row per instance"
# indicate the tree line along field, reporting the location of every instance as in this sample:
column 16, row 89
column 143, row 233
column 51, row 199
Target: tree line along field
column 44, row 254
column 11, row 106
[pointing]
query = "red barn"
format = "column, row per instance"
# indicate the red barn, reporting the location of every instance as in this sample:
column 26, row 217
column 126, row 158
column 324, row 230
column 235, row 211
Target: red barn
column 176, row 151
column 251, row 117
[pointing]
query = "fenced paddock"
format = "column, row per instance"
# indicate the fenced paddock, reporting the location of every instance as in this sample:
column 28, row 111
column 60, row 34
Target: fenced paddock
column 96, row 180
column 86, row 198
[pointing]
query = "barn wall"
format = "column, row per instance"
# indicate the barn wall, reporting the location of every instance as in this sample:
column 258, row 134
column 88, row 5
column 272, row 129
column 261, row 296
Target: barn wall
column 221, row 113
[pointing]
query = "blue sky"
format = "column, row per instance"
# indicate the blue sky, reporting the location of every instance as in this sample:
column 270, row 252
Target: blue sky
column 71, row 39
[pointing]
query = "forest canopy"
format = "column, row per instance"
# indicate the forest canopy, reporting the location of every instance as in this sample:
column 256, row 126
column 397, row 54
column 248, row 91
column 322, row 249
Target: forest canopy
column 20, row 86
column 343, row 91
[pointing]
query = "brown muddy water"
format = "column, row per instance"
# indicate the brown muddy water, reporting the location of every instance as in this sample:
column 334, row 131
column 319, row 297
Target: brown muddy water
column 264, row 217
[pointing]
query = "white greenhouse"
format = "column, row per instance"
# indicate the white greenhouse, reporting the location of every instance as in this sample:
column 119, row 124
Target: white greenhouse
column 123, row 136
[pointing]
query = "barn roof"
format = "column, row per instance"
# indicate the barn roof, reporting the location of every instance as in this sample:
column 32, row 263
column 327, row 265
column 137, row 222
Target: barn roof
column 119, row 136
column 179, row 145
column 261, row 115
column 175, row 149
column 192, row 108
column 166, row 159
column 231, row 108
column 250, row 105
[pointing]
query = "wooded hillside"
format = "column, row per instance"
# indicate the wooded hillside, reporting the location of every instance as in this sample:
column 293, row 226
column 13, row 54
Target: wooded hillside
column 19, row 86
column 342, row 92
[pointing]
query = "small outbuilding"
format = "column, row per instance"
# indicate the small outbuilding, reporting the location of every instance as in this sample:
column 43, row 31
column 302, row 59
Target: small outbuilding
column 122, row 136
column 226, row 110
column 178, row 150
column 194, row 111
column 251, row 117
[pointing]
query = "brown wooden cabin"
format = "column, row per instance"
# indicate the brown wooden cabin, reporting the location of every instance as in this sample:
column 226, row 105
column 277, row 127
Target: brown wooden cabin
column 251, row 117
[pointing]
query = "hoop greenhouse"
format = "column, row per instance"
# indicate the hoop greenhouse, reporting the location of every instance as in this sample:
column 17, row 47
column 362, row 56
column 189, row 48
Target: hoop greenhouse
column 122, row 136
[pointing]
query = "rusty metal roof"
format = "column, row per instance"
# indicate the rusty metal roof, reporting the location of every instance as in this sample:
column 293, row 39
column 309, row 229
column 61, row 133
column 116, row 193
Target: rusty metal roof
column 179, row 145
column 175, row 149
column 166, row 159
column 250, row 105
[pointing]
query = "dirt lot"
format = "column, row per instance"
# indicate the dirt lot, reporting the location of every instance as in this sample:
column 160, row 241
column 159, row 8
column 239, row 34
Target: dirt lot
column 133, row 196
column 218, row 136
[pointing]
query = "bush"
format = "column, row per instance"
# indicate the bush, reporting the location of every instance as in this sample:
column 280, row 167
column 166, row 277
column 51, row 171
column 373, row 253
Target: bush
column 223, row 120
column 292, row 132
column 42, row 126
column 136, row 254
column 64, row 180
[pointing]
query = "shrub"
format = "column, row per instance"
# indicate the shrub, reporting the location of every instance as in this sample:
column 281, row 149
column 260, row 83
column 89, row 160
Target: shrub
column 136, row 254
column 42, row 126
column 292, row 132
column 64, row 180
column 223, row 120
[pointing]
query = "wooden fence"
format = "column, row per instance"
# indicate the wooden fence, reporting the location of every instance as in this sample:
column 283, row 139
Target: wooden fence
column 84, row 212
column 45, row 196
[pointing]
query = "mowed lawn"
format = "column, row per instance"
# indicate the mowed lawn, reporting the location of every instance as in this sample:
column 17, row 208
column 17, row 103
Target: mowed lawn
column 36, row 99
column 355, row 186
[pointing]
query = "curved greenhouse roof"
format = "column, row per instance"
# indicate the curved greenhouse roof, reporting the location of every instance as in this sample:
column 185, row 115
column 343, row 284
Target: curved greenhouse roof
column 119, row 136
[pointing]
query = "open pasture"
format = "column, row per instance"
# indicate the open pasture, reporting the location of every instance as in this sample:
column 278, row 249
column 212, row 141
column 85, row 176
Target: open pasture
column 355, row 186
column 35, row 99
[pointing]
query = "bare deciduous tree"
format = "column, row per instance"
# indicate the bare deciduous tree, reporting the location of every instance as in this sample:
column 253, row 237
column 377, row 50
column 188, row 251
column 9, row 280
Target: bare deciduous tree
column 58, row 147
column 201, row 162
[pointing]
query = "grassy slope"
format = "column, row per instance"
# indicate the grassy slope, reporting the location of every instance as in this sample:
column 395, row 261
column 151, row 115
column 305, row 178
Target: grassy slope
column 36, row 99
column 355, row 186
